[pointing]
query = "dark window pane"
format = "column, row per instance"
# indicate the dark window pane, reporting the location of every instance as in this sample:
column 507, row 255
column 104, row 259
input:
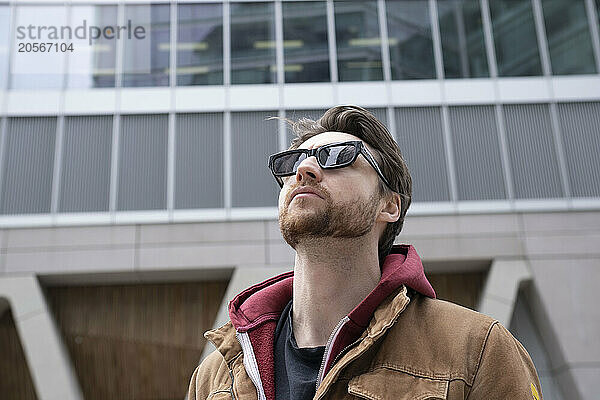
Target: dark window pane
column 411, row 46
column 93, row 65
column 421, row 141
column 358, row 41
column 38, row 70
column 143, row 162
column 4, row 43
column 306, row 54
column 199, row 161
column 200, row 44
column 463, row 44
column 569, row 39
column 579, row 124
column 532, row 151
column 253, row 43
column 28, row 165
column 252, row 141
column 476, row 153
column 146, row 60
column 86, row 157
column 515, row 39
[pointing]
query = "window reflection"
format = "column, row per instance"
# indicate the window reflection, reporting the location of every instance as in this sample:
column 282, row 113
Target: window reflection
column 569, row 40
column 305, row 47
column 38, row 70
column 200, row 44
column 146, row 61
column 358, row 41
column 515, row 39
column 253, row 43
column 411, row 46
column 93, row 65
column 463, row 44
column 4, row 44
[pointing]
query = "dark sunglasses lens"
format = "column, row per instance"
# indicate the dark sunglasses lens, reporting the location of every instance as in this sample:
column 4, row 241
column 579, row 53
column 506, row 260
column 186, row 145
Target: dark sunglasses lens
column 336, row 155
column 287, row 164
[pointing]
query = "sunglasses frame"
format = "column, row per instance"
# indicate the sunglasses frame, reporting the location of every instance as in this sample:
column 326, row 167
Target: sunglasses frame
column 359, row 148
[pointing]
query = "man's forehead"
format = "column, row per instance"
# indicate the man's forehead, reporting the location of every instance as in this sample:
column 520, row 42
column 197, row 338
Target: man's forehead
column 326, row 138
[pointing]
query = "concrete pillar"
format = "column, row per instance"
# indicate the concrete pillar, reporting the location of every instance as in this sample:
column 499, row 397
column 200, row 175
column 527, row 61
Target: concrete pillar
column 48, row 360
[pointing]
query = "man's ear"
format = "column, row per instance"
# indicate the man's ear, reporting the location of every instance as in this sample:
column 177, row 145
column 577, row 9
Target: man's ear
column 392, row 206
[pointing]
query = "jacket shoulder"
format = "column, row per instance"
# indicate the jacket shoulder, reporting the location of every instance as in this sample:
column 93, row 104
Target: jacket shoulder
column 437, row 339
column 212, row 375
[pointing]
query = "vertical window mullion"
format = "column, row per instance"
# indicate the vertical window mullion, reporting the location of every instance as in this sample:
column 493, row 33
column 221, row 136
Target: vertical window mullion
column 592, row 17
column 437, row 40
column 542, row 40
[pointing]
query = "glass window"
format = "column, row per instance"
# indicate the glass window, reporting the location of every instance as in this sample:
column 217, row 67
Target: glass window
column 199, row 161
column 358, row 41
column 39, row 69
column 253, row 43
column 146, row 55
column 4, row 44
column 463, row 44
column 200, row 44
column 92, row 64
column 306, row 54
column 569, row 40
column 515, row 39
column 28, row 165
column 85, row 171
column 143, row 162
column 410, row 43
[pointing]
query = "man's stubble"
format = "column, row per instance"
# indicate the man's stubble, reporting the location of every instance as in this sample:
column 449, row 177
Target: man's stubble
column 304, row 220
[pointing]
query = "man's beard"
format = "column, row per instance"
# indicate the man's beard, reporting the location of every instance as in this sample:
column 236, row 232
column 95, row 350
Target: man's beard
column 342, row 220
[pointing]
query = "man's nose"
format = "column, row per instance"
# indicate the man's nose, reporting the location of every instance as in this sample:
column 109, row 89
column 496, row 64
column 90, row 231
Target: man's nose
column 309, row 169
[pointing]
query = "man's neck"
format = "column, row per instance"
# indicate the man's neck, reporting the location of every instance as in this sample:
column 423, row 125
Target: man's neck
column 331, row 277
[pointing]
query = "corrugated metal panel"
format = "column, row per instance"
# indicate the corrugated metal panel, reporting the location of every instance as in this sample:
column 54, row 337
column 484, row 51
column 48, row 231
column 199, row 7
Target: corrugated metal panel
column 28, row 165
column 580, row 124
column 85, row 174
column 476, row 153
column 532, row 152
column 379, row 113
column 143, row 162
column 419, row 135
column 199, row 161
column 252, row 141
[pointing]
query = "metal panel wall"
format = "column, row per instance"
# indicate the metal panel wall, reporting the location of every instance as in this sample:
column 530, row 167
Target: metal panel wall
column 28, row 165
column 199, row 161
column 532, row 151
column 143, row 162
column 252, row 141
column 580, row 125
column 477, row 153
column 419, row 135
column 85, row 173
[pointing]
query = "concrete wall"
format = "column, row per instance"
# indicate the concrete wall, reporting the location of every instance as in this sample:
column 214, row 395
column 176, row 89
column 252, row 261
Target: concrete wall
column 559, row 252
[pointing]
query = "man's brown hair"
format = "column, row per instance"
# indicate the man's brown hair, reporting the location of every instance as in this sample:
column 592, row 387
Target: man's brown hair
column 361, row 123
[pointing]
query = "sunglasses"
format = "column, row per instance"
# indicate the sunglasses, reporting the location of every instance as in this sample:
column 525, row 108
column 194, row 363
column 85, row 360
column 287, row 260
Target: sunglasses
column 329, row 156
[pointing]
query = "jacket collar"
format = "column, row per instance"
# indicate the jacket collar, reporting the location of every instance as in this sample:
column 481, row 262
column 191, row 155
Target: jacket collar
column 266, row 300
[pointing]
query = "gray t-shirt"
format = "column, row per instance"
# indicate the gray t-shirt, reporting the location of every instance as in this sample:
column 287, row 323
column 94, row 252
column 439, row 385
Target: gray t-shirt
column 296, row 369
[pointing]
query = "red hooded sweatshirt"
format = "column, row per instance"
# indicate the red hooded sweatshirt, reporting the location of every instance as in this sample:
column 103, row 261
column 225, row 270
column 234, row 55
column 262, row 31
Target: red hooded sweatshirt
column 254, row 314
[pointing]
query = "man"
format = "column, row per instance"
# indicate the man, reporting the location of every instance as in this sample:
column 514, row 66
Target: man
column 357, row 317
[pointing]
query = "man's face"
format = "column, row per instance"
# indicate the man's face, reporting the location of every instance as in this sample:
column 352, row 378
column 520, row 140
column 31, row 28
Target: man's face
column 328, row 203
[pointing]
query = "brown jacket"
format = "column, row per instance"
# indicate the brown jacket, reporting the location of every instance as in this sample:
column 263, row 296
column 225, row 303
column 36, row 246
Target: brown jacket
column 399, row 343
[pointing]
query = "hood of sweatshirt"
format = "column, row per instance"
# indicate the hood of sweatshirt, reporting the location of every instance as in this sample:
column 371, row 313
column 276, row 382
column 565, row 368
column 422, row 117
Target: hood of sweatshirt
column 256, row 310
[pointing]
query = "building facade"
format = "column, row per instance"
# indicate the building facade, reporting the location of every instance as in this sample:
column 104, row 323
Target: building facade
column 133, row 173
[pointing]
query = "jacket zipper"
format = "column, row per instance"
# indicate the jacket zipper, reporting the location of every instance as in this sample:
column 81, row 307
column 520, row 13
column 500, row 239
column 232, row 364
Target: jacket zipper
column 250, row 363
column 231, row 390
column 327, row 351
